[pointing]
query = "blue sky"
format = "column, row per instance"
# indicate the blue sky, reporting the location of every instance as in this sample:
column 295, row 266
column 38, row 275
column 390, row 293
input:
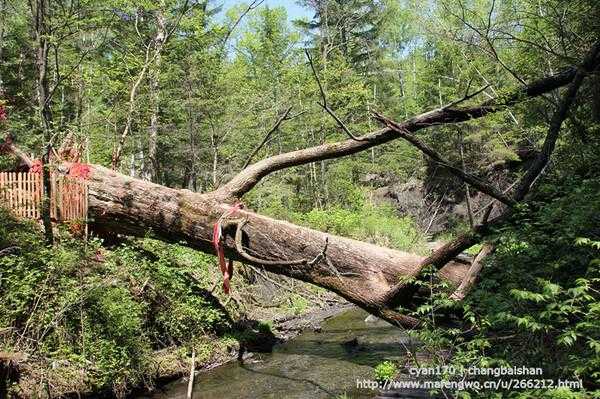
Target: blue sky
column 294, row 10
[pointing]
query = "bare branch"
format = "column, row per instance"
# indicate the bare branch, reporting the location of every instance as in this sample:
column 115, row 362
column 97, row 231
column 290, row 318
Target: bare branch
column 485, row 36
column 325, row 105
column 467, row 96
column 159, row 46
column 401, row 292
column 251, row 7
column 469, row 281
column 458, row 172
column 467, row 190
column 278, row 123
column 587, row 66
column 489, row 204
column 177, row 21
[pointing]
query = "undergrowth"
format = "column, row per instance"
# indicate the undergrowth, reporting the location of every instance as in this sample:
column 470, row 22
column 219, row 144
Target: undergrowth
column 87, row 319
column 537, row 303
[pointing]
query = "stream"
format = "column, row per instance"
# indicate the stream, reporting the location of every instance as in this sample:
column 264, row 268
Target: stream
column 315, row 364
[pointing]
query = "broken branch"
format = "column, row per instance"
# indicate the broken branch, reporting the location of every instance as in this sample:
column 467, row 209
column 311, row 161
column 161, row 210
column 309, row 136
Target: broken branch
column 467, row 284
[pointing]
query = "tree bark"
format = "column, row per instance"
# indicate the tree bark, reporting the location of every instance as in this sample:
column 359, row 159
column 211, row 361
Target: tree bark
column 467, row 284
column 467, row 189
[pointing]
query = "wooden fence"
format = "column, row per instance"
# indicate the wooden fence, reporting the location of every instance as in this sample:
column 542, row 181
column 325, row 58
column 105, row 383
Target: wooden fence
column 22, row 192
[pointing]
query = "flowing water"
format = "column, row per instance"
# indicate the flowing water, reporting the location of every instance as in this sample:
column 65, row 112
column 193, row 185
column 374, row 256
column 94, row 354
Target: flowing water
column 323, row 364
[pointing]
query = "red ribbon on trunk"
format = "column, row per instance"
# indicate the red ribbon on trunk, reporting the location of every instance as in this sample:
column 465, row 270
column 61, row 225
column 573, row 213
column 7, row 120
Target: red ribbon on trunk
column 226, row 267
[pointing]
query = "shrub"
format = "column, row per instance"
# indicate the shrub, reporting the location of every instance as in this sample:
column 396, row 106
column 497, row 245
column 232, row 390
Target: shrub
column 385, row 371
column 83, row 307
column 537, row 302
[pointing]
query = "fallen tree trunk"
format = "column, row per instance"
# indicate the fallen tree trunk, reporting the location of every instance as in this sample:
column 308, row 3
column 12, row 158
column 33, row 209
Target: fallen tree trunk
column 369, row 276
column 360, row 272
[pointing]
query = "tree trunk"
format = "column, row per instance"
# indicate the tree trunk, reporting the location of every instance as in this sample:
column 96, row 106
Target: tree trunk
column 153, row 173
column 39, row 13
column 215, row 158
column 358, row 271
column 118, row 150
column 374, row 278
column 2, row 35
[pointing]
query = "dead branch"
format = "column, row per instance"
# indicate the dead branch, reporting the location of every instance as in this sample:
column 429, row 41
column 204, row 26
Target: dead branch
column 325, row 105
column 467, row 190
column 588, row 65
column 274, row 128
column 431, row 153
column 467, row 96
column 467, row 284
column 291, row 290
column 487, row 206
column 402, row 292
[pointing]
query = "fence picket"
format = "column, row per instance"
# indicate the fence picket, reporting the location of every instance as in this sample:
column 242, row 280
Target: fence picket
column 23, row 193
column 29, row 196
column 38, row 194
column 8, row 190
column 17, row 193
column 2, row 189
column 12, row 191
column 20, row 193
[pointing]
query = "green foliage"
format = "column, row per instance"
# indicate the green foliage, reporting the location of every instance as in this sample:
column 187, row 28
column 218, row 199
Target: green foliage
column 379, row 225
column 103, row 311
column 538, row 294
column 385, row 371
column 265, row 327
column 213, row 94
column 352, row 215
column 474, row 250
column 298, row 304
